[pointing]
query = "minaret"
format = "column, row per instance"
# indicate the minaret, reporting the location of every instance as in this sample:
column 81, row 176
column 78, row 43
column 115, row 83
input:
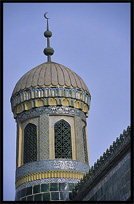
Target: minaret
column 50, row 104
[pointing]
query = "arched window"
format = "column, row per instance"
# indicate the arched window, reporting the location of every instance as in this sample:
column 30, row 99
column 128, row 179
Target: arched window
column 85, row 144
column 30, row 143
column 63, row 147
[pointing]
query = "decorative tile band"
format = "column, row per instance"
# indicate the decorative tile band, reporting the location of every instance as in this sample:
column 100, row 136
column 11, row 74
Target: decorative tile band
column 49, row 180
column 32, row 98
column 49, row 174
column 46, row 92
column 51, row 165
column 79, row 140
column 56, row 110
column 44, row 137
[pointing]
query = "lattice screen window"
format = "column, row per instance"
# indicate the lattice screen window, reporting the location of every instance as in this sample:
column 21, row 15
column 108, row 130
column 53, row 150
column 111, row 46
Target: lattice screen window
column 63, row 147
column 30, row 143
column 85, row 144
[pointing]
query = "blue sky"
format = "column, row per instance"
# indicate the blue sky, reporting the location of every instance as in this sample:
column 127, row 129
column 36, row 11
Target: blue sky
column 92, row 39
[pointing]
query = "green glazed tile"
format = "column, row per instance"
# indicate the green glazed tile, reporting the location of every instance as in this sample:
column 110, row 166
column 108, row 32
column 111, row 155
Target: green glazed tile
column 54, row 195
column 36, row 189
column 23, row 192
column 46, row 196
column 38, row 197
column 45, row 187
column 30, row 198
column 29, row 190
column 54, row 187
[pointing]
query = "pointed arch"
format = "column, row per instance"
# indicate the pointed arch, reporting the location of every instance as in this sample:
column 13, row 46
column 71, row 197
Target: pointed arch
column 30, row 143
column 62, row 133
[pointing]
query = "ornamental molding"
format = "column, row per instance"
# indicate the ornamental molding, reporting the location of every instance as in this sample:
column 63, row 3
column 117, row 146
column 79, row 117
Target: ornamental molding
column 51, row 165
column 51, row 110
column 49, row 174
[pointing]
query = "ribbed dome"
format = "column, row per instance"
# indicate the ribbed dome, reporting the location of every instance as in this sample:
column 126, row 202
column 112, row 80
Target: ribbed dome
column 50, row 73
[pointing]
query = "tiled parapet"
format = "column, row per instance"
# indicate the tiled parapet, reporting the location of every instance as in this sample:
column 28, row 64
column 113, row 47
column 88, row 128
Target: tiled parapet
column 104, row 160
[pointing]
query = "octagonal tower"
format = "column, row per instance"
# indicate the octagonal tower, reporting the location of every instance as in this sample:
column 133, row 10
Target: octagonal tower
column 50, row 104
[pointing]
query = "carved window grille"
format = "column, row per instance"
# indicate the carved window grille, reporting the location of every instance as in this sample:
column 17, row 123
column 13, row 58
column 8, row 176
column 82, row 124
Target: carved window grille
column 63, row 147
column 85, row 144
column 30, row 143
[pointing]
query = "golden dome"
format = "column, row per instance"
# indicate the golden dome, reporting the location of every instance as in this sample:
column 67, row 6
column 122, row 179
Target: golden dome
column 50, row 74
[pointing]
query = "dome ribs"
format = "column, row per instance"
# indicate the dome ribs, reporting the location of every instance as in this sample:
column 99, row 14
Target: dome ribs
column 84, row 85
column 29, row 79
column 17, row 86
column 75, row 77
column 40, row 81
column 78, row 81
column 50, row 74
column 35, row 76
column 47, row 80
column 60, row 75
column 54, row 75
column 72, row 78
column 66, row 76
column 24, row 80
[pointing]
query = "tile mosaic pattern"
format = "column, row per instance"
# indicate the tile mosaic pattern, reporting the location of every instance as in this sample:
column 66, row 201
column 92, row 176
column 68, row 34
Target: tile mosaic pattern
column 62, row 110
column 51, row 165
column 44, row 137
column 79, row 140
column 46, row 192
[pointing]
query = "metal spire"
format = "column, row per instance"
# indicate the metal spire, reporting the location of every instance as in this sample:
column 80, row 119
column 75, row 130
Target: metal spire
column 48, row 51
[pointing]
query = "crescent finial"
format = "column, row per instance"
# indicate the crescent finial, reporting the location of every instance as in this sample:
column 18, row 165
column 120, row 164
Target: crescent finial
column 45, row 15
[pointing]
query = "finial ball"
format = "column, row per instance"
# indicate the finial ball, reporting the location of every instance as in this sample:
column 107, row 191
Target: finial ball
column 47, row 34
column 48, row 51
